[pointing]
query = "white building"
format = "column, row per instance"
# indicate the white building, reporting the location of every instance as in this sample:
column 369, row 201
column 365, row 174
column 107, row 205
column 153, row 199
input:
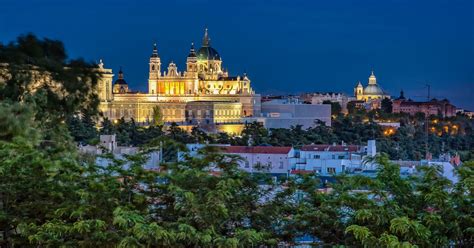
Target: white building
column 255, row 159
column 327, row 160
column 283, row 113
column 319, row 98
column 108, row 144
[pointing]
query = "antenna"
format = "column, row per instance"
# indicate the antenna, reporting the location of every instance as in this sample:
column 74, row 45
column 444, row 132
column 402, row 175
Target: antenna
column 427, row 125
column 429, row 91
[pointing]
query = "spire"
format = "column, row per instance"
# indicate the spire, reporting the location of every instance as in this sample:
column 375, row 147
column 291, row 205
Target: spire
column 192, row 52
column 155, row 51
column 206, row 41
column 402, row 95
column 120, row 73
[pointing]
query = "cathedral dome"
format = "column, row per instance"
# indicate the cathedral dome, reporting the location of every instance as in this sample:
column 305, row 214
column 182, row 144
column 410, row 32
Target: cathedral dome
column 120, row 80
column 373, row 89
column 208, row 53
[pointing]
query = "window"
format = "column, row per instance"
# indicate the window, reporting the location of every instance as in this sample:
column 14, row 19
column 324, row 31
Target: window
column 333, row 156
column 316, row 156
column 331, row 170
column 281, row 165
column 340, row 157
column 247, row 164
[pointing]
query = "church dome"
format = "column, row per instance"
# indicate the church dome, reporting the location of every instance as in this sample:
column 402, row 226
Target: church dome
column 373, row 89
column 120, row 80
column 208, row 53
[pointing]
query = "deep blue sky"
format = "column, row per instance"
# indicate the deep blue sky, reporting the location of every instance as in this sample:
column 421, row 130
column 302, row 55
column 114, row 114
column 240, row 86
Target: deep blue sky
column 285, row 46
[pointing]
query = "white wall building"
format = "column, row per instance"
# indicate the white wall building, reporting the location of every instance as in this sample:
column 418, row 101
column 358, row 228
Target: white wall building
column 283, row 113
column 108, row 144
column 255, row 159
column 327, row 160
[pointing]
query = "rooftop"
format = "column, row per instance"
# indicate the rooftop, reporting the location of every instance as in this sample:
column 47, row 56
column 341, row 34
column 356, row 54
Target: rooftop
column 257, row 149
column 331, row 148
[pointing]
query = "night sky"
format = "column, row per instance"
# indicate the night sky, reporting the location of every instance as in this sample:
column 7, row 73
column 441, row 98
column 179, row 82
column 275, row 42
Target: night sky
column 284, row 46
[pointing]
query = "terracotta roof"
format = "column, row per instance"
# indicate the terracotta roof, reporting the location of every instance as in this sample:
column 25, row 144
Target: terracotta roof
column 302, row 172
column 257, row 149
column 331, row 148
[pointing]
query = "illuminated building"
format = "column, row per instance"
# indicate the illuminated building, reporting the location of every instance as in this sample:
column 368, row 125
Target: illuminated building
column 433, row 107
column 371, row 92
column 202, row 94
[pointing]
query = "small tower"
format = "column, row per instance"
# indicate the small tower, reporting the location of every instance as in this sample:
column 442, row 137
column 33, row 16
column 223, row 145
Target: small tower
column 154, row 70
column 155, row 64
column 191, row 63
column 358, row 90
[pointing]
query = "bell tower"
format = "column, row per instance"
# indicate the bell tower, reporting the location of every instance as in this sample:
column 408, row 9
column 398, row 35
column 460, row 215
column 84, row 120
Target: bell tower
column 154, row 71
column 358, row 91
column 191, row 63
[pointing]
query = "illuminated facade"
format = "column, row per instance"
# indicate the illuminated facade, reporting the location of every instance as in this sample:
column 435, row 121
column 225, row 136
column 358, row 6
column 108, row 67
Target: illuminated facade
column 178, row 94
column 371, row 92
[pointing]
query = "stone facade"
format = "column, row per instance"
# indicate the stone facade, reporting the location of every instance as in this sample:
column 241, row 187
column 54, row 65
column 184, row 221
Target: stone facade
column 174, row 91
column 371, row 92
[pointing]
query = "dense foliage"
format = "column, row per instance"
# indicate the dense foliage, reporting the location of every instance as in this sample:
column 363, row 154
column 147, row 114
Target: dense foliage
column 445, row 135
column 63, row 199
column 51, row 196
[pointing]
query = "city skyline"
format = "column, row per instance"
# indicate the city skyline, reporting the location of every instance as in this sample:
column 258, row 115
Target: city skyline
column 324, row 48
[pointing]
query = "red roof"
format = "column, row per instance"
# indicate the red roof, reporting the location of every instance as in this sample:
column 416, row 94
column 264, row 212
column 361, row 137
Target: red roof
column 257, row 149
column 302, row 172
column 331, row 148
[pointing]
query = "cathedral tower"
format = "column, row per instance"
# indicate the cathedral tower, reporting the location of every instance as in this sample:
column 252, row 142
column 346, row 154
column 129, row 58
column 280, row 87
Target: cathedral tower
column 154, row 71
column 191, row 63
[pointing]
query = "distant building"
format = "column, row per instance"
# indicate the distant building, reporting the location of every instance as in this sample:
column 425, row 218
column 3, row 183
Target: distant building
column 180, row 95
column 466, row 112
column 432, row 107
column 328, row 160
column 319, row 98
column 108, row 144
column 284, row 114
column 277, row 161
column 211, row 112
column 263, row 159
column 371, row 92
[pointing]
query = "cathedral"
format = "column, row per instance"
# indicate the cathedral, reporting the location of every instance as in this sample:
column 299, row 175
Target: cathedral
column 203, row 93
column 371, row 92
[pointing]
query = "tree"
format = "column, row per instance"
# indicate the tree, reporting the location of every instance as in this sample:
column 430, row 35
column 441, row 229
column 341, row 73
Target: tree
column 386, row 105
column 254, row 134
column 157, row 116
column 335, row 107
